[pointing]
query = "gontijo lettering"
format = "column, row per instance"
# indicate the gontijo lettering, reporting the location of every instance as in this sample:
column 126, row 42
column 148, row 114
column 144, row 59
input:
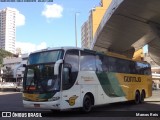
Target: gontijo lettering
column 132, row 79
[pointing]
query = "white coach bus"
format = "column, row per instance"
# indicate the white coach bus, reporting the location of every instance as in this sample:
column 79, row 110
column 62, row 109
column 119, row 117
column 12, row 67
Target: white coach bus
column 68, row 77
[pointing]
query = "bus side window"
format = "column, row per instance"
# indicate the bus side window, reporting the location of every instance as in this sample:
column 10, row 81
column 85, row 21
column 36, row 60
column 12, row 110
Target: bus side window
column 112, row 64
column 65, row 76
column 132, row 67
column 87, row 61
column 122, row 66
column 105, row 63
column 99, row 63
column 70, row 70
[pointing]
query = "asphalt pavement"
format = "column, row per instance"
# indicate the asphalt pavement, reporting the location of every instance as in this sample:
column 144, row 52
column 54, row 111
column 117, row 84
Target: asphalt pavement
column 12, row 102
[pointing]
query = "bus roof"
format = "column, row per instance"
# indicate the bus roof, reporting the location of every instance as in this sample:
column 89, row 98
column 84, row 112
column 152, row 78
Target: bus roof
column 56, row 48
column 88, row 50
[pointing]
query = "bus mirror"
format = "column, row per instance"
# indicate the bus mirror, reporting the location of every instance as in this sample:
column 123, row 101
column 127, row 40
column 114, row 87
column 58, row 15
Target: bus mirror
column 67, row 65
column 66, row 75
column 56, row 67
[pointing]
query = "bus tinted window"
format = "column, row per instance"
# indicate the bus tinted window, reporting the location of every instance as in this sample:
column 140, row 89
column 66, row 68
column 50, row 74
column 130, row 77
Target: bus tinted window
column 122, row 66
column 105, row 62
column 112, row 64
column 143, row 68
column 70, row 75
column 87, row 61
column 99, row 63
column 45, row 57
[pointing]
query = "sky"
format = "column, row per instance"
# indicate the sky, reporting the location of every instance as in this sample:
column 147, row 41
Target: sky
column 49, row 24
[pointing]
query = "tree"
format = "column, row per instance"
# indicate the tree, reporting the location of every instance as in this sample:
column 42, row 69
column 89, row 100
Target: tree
column 4, row 54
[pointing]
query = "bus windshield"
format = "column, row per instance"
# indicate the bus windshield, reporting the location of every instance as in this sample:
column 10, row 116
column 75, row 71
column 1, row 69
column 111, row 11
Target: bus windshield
column 41, row 78
column 45, row 57
column 39, row 75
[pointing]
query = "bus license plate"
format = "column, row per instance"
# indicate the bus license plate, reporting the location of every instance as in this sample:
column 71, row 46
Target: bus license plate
column 36, row 105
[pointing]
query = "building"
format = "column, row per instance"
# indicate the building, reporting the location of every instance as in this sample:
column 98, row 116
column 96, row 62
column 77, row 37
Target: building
column 85, row 41
column 8, row 29
column 90, row 27
column 11, row 69
column 155, row 71
column 12, row 73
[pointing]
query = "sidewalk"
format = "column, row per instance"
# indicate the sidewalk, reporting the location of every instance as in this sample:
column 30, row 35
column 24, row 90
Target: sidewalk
column 155, row 96
column 6, row 93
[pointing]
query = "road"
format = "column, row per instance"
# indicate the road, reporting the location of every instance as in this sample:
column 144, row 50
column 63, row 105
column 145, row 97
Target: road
column 12, row 101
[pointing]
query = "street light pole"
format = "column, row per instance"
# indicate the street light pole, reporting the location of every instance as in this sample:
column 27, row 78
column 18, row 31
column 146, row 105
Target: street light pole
column 76, row 27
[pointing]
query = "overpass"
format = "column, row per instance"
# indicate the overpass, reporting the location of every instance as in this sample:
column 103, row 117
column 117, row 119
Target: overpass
column 129, row 25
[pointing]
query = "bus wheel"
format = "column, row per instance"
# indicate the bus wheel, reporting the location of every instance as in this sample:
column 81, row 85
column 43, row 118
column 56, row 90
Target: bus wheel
column 137, row 97
column 142, row 97
column 87, row 104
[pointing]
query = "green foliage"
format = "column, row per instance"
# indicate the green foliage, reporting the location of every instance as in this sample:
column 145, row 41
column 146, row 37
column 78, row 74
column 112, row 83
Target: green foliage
column 4, row 54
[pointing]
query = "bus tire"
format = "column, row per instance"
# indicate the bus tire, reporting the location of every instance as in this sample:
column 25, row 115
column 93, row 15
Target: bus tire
column 87, row 104
column 137, row 97
column 142, row 96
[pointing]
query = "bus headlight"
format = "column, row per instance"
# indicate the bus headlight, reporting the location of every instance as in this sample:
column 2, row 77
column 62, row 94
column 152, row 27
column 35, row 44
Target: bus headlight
column 54, row 99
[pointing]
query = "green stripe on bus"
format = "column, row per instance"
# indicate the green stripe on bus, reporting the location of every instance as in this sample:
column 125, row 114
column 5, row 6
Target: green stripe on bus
column 110, row 84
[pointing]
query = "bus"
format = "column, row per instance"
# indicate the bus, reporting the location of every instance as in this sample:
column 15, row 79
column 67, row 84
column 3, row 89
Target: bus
column 70, row 77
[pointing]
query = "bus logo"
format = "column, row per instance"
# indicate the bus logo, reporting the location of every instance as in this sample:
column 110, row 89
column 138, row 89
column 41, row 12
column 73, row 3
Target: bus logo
column 72, row 100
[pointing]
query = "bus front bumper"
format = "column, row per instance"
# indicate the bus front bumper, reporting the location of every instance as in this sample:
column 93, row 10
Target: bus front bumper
column 42, row 105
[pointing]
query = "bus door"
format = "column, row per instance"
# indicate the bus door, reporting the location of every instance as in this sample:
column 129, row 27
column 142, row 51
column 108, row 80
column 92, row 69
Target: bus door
column 70, row 90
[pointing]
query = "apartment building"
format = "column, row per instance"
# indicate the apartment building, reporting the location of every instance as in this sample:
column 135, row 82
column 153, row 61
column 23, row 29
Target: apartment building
column 12, row 63
column 8, row 29
column 155, row 71
column 85, row 35
column 90, row 27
